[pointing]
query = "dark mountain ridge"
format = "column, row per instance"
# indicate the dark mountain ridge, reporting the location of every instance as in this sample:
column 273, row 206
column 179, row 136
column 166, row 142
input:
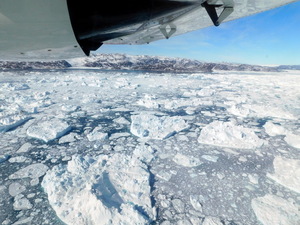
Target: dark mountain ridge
column 142, row 63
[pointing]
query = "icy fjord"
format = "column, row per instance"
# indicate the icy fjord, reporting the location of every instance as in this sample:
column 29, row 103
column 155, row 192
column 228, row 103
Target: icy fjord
column 91, row 147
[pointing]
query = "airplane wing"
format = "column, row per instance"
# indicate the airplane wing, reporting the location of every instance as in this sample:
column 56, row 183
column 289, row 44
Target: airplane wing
column 52, row 29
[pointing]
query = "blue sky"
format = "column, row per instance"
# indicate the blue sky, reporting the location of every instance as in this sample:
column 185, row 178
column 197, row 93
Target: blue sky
column 271, row 37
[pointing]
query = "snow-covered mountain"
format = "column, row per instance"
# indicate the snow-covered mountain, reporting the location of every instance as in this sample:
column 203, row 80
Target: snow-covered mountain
column 10, row 65
column 160, row 64
column 289, row 67
column 140, row 63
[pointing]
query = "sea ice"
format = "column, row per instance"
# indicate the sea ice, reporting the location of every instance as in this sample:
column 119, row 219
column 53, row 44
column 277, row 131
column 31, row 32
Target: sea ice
column 209, row 220
column 227, row 134
column 100, row 190
column 18, row 159
column 271, row 209
column 178, row 205
column 211, row 158
column 262, row 111
column 187, row 161
column 97, row 135
column 22, row 204
column 10, row 122
column 196, row 202
column 67, row 138
column 24, row 148
column 154, row 127
column 164, row 175
column 144, row 153
column 121, row 120
column 286, row 173
column 49, row 129
column 32, row 171
column 24, row 221
column 16, row 188
column 3, row 158
column 273, row 129
column 149, row 101
column 119, row 135
column 292, row 139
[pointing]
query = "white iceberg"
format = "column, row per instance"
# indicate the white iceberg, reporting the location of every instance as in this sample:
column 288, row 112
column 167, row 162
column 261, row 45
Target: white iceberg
column 154, row 127
column 227, row 134
column 101, row 190
column 271, row 209
column 48, row 130
column 286, row 173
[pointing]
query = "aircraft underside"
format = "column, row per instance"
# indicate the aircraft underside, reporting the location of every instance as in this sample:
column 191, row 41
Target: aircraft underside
column 49, row 29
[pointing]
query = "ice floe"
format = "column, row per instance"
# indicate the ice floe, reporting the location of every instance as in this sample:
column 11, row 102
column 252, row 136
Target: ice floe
column 271, row 209
column 286, row 173
column 3, row 158
column 155, row 127
column 228, row 134
column 32, row 171
column 195, row 201
column 22, row 203
column 16, row 188
column 263, row 111
column 101, row 190
column 8, row 122
column 274, row 129
column 292, row 139
column 187, row 161
column 24, row 148
column 209, row 220
column 97, row 135
column 149, row 101
column 48, row 129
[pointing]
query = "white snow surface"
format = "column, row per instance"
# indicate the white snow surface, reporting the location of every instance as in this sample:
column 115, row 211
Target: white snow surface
column 100, row 190
column 48, row 129
column 286, row 173
column 271, row 209
column 228, row 134
column 274, row 129
column 293, row 140
column 155, row 127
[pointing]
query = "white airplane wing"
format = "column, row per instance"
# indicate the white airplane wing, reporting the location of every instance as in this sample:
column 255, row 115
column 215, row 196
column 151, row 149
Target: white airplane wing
column 52, row 29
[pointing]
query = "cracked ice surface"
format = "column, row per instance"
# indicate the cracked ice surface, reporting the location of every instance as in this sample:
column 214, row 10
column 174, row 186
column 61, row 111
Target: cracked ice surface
column 168, row 148
column 100, row 190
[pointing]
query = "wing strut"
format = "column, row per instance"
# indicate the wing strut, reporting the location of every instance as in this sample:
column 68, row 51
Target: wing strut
column 211, row 10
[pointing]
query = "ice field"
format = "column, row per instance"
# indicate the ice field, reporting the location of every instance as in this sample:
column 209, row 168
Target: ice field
column 94, row 147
